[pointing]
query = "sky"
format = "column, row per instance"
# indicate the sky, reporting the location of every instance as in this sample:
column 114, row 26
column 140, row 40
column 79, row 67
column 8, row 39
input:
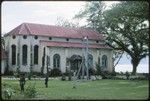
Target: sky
column 48, row 12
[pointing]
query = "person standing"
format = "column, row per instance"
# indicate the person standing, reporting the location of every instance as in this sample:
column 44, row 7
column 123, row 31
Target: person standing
column 46, row 81
column 22, row 82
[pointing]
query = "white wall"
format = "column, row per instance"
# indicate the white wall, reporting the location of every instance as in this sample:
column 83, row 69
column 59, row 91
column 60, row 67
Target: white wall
column 50, row 51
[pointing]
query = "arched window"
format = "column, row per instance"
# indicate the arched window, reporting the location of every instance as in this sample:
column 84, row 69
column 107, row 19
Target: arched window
column 56, row 61
column 24, row 54
column 90, row 61
column 48, row 60
column 13, row 48
column 104, row 61
column 36, row 51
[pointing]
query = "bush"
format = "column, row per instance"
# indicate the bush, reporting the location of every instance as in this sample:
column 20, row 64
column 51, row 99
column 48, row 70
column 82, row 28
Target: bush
column 7, row 93
column 98, row 69
column 63, row 78
column 92, row 71
column 69, row 74
column 127, row 75
column 146, row 75
column 8, row 73
column 104, row 74
column 55, row 72
column 113, row 73
column 30, row 91
column 37, row 73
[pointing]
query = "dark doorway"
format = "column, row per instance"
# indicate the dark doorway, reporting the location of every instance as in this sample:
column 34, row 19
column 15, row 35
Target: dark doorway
column 75, row 61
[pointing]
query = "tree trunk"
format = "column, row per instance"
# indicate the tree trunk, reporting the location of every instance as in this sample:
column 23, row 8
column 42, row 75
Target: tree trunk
column 135, row 63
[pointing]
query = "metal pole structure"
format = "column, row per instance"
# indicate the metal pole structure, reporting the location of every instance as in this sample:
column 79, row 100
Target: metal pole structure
column 86, row 57
column 83, row 59
column 18, row 55
column 31, row 55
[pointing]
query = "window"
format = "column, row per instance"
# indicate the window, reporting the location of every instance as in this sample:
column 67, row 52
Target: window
column 24, row 54
column 24, row 36
column 48, row 60
column 67, row 39
column 104, row 61
column 50, row 38
column 36, row 37
column 90, row 61
column 13, row 36
column 36, row 47
column 97, row 41
column 56, row 61
column 13, row 48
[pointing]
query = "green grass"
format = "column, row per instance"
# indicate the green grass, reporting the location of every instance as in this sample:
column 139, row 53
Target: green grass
column 102, row 89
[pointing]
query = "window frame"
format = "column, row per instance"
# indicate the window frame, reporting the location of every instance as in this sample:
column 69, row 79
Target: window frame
column 56, row 61
column 24, row 54
column 36, row 54
column 13, row 54
column 104, row 61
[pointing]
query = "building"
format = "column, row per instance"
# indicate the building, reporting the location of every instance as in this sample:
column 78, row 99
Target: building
column 36, row 47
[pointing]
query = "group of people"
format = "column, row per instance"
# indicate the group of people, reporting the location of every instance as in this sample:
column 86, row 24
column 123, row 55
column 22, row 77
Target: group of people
column 22, row 82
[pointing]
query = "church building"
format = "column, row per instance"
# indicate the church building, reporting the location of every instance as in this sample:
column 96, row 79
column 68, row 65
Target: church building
column 37, row 47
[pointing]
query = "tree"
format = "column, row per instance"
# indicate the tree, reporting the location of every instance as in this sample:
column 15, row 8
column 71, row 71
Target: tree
column 66, row 23
column 126, row 28
column 93, row 13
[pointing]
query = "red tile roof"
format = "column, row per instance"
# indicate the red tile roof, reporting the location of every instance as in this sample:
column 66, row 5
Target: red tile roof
column 71, row 44
column 54, row 31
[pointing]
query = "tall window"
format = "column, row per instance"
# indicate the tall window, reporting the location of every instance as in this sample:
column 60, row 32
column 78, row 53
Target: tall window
column 36, row 51
column 13, row 48
column 90, row 61
column 104, row 61
column 56, row 61
column 24, row 54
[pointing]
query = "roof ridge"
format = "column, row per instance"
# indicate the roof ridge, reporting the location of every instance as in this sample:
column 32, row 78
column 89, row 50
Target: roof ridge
column 26, row 25
column 20, row 28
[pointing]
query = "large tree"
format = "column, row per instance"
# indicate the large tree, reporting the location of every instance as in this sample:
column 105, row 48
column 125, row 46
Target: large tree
column 66, row 23
column 126, row 27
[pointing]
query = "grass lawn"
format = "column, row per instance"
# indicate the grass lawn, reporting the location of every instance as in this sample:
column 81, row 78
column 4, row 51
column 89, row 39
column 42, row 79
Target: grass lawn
column 101, row 89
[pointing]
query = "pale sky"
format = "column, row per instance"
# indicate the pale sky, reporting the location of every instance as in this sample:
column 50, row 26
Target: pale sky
column 15, row 13
column 47, row 12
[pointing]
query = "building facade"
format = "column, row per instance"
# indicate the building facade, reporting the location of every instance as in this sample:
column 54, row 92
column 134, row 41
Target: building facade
column 38, row 47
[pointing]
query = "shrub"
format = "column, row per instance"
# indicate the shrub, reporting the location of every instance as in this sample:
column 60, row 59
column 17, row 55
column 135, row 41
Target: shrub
column 69, row 74
column 127, row 75
column 29, row 76
column 55, row 72
column 8, row 73
column 146, row 75
column 63, row 78
column 104, row 74
column 92, row 71
column 7, row 91
column 98, row 69
column 121, row 73
column 37, row 73
column 30, row 91
column 113, row 73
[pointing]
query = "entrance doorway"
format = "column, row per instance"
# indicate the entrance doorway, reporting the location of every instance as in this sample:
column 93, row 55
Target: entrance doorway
column 75, row 61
